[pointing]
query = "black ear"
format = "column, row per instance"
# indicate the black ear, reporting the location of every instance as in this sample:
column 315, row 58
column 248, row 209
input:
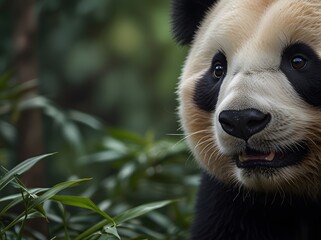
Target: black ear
column 186, row 17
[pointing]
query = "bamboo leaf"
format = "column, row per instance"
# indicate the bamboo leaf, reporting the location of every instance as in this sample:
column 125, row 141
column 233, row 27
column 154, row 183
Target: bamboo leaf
column 113, row 231
column 103, row 156
column 44, row 197
column 19, row 169
column 57, row 188
column 140, row 210
column 82, row 202
column 93, row 229
column 125, row 216
column 129, row 136
column 85, row 119
column 17, row 198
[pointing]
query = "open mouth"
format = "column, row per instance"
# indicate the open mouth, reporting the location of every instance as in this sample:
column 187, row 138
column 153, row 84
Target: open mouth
column 250, row 158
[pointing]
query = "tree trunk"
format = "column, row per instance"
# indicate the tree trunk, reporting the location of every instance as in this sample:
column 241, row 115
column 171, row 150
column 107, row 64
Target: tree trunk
column 29, row 125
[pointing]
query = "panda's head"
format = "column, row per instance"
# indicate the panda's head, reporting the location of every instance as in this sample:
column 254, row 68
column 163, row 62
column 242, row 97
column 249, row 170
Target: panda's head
column 250, row 91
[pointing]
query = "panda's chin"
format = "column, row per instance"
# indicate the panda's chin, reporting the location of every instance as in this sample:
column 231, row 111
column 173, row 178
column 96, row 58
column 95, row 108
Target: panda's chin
column 253, row 159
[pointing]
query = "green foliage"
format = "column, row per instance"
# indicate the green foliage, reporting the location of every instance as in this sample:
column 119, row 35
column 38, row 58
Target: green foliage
column 18, row 170
column 129, row 171
column 114, row 59
column 103, row 65
column 133, row 170
column 13, row 224
column 32, row 201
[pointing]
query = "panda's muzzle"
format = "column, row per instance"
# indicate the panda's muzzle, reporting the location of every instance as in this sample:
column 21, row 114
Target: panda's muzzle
column 243, row 123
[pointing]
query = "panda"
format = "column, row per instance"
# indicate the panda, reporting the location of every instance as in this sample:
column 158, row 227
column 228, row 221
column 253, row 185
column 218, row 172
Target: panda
column 250, row 106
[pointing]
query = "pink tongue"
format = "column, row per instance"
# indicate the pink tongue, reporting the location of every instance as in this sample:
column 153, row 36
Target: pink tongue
column 257, row 156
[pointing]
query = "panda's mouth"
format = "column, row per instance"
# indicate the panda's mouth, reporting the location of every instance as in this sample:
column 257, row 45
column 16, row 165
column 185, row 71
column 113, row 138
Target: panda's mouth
column 250, row 158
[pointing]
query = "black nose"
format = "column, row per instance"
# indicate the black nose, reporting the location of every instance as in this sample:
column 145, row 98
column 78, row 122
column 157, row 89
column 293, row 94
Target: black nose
column 244, row 123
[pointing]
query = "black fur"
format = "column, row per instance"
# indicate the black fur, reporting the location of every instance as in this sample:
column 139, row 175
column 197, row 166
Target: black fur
column 225, row 213
column 208, row 87
column 186, row 17
column 307, row 81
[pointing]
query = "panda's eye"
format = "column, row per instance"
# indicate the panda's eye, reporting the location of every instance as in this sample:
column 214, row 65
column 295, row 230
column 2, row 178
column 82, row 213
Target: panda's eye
column 298, row 62
column 219, row 66
column 219, row 70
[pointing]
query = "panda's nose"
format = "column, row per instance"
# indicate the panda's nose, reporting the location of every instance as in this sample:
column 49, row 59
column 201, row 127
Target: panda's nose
column 243, row 123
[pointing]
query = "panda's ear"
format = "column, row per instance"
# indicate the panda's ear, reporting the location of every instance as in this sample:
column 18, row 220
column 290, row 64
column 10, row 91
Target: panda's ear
column 186, row 17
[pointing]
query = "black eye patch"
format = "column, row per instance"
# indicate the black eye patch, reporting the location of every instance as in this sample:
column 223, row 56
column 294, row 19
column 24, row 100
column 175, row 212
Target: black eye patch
column 208, row 86
column 302, row 66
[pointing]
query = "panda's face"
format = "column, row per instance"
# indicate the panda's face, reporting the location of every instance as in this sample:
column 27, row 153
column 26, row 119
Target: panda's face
column 250, row 94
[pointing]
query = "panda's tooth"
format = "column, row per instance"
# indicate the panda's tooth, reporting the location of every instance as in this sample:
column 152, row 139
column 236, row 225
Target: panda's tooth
column 270, row 157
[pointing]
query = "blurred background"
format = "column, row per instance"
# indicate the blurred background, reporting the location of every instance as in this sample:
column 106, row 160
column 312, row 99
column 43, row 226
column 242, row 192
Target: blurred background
column 95, row 81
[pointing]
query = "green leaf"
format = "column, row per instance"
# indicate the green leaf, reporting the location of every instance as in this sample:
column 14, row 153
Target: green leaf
column 140, row 210
column 18, row 195
column 85, row 119
column 17, row 198
column 129, row 136
column 82, row 202
column 116, row 145
column 34, row 102
column 125, row 216
column 44, row 197
column 73, row 136
column 57, row 188
column 112, row 231
column 93, row 229
column 104, row 156
column 8, row 132
column 19, row 169
column 41, row 210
